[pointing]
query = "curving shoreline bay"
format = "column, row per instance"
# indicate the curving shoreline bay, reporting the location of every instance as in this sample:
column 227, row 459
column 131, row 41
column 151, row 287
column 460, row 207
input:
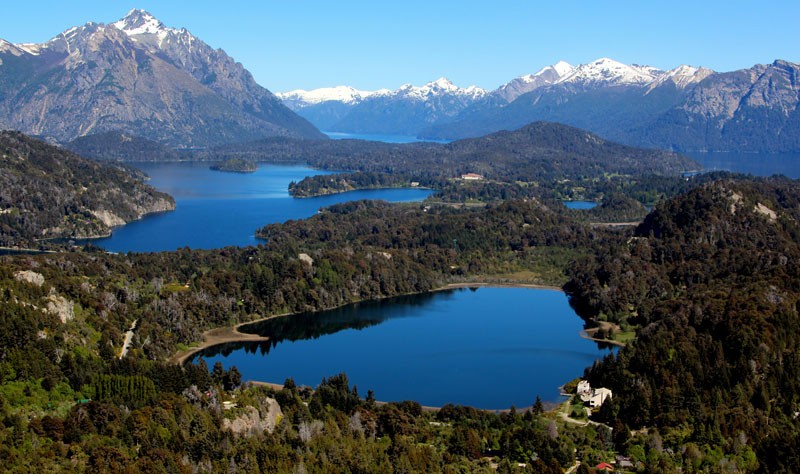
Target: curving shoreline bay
column 217, row 336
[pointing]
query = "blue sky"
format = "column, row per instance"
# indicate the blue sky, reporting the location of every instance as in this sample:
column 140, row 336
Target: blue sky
column 380, row 43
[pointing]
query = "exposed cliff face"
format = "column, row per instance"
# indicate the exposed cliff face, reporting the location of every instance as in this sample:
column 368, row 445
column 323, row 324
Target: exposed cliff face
column 47, row 192
column 752, row 109
column 774, row 86
column 140, row 77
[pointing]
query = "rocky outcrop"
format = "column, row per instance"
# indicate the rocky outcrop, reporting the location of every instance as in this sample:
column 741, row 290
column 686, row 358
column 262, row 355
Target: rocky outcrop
column 30, row 276
column 253, row 420
column 59, row 306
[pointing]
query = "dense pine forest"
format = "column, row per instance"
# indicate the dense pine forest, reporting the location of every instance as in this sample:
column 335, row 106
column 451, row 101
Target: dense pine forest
column 711, row 280
column 149, row 415
column 704, row 288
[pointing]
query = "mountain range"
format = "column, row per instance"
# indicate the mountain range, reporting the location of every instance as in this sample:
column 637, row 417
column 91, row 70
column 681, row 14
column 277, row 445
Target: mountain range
column 404, row 111
column 686, row 108
column 139, row 77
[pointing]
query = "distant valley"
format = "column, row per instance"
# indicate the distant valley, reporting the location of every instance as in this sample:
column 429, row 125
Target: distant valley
column 685, row 109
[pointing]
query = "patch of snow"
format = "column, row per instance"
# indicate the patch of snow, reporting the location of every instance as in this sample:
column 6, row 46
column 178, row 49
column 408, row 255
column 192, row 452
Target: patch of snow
column 350, row 95
column 439, row 87
column 344, row 94
column 140, row 25
column 682, row 76
column 31, row 48
column 608, row 71
column 563, row 68
column 6, row 47
column 138, row 22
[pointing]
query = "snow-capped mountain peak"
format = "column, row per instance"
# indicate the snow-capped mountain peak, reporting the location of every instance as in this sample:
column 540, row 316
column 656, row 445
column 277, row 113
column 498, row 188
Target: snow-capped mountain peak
column 351, row 96
column 344, row 94
column 441, row 86
column 563, row 68
column 551, row 73
column 682, row 76
column 138, row 22
column 143, row 28
column 608, row 71
column 529, row 82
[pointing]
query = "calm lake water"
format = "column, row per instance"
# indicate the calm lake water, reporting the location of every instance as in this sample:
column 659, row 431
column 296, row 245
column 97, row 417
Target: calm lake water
column 580, row 205
column 379, row 138
column 490, row 348
column 216, row 209
column 487, row 347
column 756, row 164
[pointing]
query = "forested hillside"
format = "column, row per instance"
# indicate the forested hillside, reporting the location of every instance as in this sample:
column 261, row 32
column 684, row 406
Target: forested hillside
column 708, row 280
column 711, row 279
column 47, row 192
column 537, row 152
column 63, row 318
column 541, row 160
column 117, row 146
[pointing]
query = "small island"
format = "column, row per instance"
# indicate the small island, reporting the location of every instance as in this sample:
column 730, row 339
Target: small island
column 235, row 165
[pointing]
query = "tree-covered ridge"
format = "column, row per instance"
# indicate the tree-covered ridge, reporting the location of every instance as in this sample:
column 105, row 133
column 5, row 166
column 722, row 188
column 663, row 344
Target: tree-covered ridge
column 508, row 237
column 46, row 192
column 711, row 278
column 540, row 151
column 118, row 146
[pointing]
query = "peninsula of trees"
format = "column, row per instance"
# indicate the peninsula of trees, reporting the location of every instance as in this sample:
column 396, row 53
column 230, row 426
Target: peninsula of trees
column 48, row 193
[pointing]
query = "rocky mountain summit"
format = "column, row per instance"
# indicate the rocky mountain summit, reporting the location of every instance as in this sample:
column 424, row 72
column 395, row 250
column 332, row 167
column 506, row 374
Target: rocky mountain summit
column 139, row 77
column 687, row 108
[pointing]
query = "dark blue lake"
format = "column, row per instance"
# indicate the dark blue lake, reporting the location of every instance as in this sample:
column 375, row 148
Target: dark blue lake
column 216, row 209
column 756, row 164
column 488, row 347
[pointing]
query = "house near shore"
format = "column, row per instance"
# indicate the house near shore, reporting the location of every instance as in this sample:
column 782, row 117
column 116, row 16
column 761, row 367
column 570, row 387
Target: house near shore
column 599, row 396
column 593, row 397
column 471, row 177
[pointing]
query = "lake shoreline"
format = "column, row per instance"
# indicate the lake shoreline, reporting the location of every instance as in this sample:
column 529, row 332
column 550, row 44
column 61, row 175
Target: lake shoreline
column 548, row 406
column 232, row 334
column 224, row 335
